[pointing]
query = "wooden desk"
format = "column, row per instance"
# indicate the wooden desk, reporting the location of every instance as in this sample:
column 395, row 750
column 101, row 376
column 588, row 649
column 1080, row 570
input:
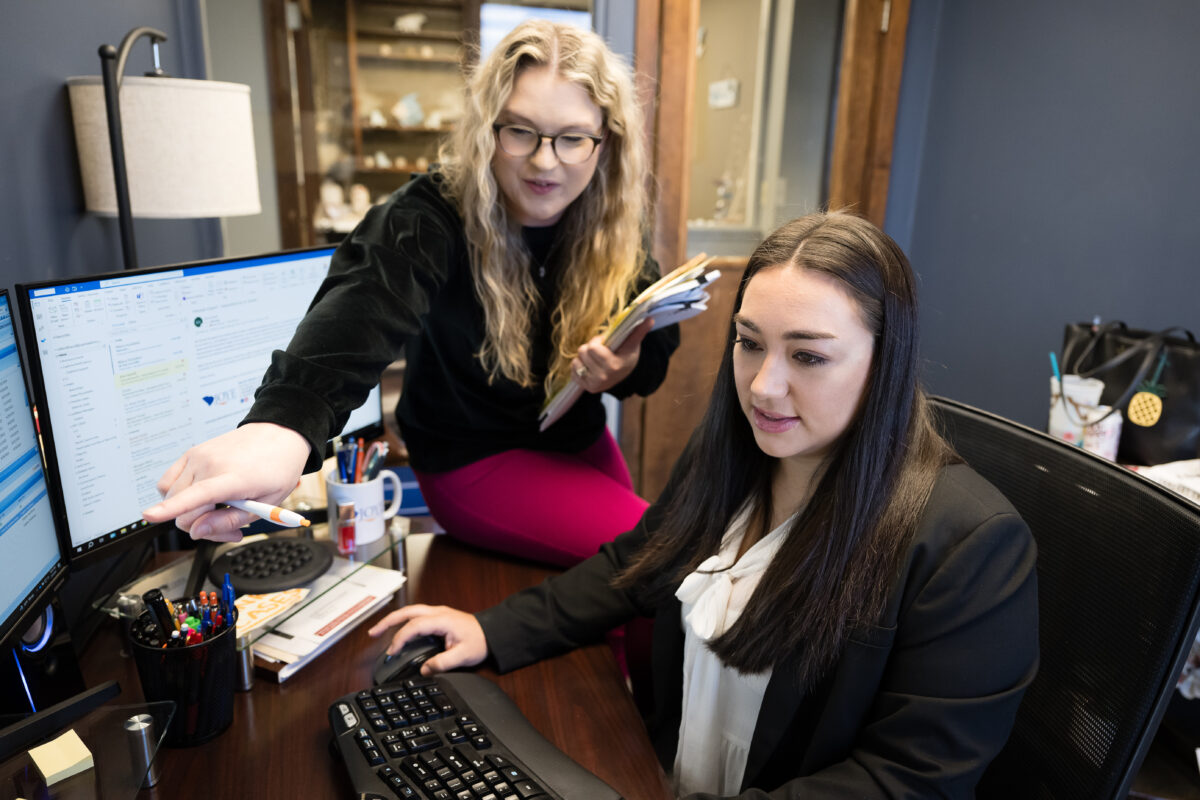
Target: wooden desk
column 277, row 745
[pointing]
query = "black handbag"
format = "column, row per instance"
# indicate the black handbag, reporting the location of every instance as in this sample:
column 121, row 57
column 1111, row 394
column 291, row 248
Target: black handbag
column 1152, row 377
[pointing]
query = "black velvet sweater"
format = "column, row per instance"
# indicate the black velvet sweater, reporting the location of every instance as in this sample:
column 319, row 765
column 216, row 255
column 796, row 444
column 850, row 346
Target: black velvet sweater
column 401, row 284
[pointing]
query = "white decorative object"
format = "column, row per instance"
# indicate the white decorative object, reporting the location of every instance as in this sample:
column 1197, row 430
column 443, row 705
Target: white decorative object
column 376, row 119
column 189, row 147
column 381, row 160
column 333, row 214
column 407, row 111
column 409, row 23
column 360, row 199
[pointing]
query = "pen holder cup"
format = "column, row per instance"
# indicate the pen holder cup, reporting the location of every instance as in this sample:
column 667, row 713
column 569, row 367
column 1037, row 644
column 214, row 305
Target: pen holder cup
column 370, row 510
column 199, row 679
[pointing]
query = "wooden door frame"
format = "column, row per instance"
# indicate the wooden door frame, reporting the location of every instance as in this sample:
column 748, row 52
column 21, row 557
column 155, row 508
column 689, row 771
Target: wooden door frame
column 870, row 63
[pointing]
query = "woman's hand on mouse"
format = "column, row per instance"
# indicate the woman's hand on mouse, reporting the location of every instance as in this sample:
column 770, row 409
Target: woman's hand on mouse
column 466, row 645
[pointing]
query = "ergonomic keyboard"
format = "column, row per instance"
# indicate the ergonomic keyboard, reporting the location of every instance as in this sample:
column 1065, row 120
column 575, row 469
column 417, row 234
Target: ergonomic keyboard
column 456, row 736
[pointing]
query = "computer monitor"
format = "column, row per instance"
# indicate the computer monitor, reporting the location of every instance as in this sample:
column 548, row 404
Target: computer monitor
column 33, row 564
column 129, row 370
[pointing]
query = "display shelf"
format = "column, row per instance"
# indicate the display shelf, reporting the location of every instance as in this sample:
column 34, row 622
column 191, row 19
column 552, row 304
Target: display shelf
column 392, row 33
column 406, row 129
column 407, row 59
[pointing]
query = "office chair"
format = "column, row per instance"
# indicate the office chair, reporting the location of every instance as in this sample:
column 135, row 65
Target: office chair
column 1119, row 593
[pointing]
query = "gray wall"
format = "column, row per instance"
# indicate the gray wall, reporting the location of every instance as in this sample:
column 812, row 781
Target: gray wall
column 46, row 232
column 1046, row 169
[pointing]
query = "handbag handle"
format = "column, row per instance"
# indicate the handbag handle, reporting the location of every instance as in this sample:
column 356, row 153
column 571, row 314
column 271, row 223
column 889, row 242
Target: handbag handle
column 1071, row 365
column 1150, row 346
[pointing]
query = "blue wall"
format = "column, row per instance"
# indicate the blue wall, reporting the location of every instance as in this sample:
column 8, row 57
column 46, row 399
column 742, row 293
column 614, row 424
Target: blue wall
column 46, row 232
column 1046, row 170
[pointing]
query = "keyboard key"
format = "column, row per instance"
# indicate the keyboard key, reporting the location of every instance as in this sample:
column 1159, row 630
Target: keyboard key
column 347, row 717
column 424, row 743
column 453, row 760
column 527, row 789
column 414, row 769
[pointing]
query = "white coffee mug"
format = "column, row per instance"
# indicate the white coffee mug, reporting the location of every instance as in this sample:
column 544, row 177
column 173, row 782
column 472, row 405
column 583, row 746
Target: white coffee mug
column 369, row 511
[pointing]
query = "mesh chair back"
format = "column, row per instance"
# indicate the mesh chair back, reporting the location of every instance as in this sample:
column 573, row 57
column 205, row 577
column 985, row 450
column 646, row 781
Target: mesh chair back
column 1118, row 581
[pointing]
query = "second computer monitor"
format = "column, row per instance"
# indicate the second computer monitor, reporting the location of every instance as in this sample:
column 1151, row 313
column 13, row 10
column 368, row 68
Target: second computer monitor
column 130, row 370
column 31, row 565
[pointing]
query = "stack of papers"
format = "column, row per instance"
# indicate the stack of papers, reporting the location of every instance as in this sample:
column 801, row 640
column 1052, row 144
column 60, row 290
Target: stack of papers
column 344, row 596
column 257, row 609
column 673, row 298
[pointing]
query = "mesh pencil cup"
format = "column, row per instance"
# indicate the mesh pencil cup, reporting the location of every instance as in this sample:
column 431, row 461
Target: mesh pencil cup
column 198, row 678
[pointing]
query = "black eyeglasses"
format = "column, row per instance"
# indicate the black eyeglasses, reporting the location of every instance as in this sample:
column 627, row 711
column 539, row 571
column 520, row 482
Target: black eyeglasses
column 569, row 148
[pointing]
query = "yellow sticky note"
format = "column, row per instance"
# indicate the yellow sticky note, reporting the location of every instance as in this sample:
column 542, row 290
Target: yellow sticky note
column 62, row 757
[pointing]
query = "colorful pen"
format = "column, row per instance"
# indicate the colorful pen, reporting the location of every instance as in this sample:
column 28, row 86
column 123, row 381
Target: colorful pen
column 267, row 511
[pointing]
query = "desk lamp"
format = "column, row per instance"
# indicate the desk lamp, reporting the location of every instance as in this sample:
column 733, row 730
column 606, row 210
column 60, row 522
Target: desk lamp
column 161, row 147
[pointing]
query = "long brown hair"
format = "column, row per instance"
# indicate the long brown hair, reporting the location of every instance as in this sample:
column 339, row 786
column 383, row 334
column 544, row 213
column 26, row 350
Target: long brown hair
column 842, row 553
column 602, row 228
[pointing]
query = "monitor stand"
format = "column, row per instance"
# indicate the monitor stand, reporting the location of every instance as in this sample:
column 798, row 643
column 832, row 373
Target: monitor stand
column 41, row 669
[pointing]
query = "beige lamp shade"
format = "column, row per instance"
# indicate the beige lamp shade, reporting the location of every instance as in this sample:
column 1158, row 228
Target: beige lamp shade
column 189, row 147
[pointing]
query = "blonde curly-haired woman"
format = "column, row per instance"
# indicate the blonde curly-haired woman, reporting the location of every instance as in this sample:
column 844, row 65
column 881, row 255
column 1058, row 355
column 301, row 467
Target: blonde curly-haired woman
column 491, row 276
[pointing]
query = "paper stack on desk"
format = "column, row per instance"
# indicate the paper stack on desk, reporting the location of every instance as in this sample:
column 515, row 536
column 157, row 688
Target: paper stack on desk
column 345, row 595
column 673, row 298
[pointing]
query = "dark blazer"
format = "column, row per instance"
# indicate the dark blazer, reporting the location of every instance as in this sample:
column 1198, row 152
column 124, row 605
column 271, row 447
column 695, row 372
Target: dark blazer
column 915, row 707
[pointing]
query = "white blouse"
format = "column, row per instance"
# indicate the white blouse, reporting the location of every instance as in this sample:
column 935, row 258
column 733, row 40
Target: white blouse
column 720, row 705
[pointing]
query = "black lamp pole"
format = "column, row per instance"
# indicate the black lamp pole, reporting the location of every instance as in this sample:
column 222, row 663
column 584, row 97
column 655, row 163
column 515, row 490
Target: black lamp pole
column 112, row 66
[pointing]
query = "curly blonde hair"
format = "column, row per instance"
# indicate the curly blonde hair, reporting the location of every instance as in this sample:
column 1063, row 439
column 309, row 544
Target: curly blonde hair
column 602, row 228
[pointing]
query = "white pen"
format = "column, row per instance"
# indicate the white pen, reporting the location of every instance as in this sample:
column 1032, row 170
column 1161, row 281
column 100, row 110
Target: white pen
column 267, row 511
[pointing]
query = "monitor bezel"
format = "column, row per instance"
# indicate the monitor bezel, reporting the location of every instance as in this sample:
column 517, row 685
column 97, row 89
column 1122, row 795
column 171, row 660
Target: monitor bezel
column 36, row 383
column 40, row 597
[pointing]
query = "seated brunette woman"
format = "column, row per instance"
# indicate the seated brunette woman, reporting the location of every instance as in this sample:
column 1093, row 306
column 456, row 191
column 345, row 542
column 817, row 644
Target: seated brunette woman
column 843, row 609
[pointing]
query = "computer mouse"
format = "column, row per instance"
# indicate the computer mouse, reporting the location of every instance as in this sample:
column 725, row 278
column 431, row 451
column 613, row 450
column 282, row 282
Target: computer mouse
column 406, row 663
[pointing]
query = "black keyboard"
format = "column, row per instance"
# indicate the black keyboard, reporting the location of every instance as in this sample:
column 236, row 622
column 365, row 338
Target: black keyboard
column 456, row 736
